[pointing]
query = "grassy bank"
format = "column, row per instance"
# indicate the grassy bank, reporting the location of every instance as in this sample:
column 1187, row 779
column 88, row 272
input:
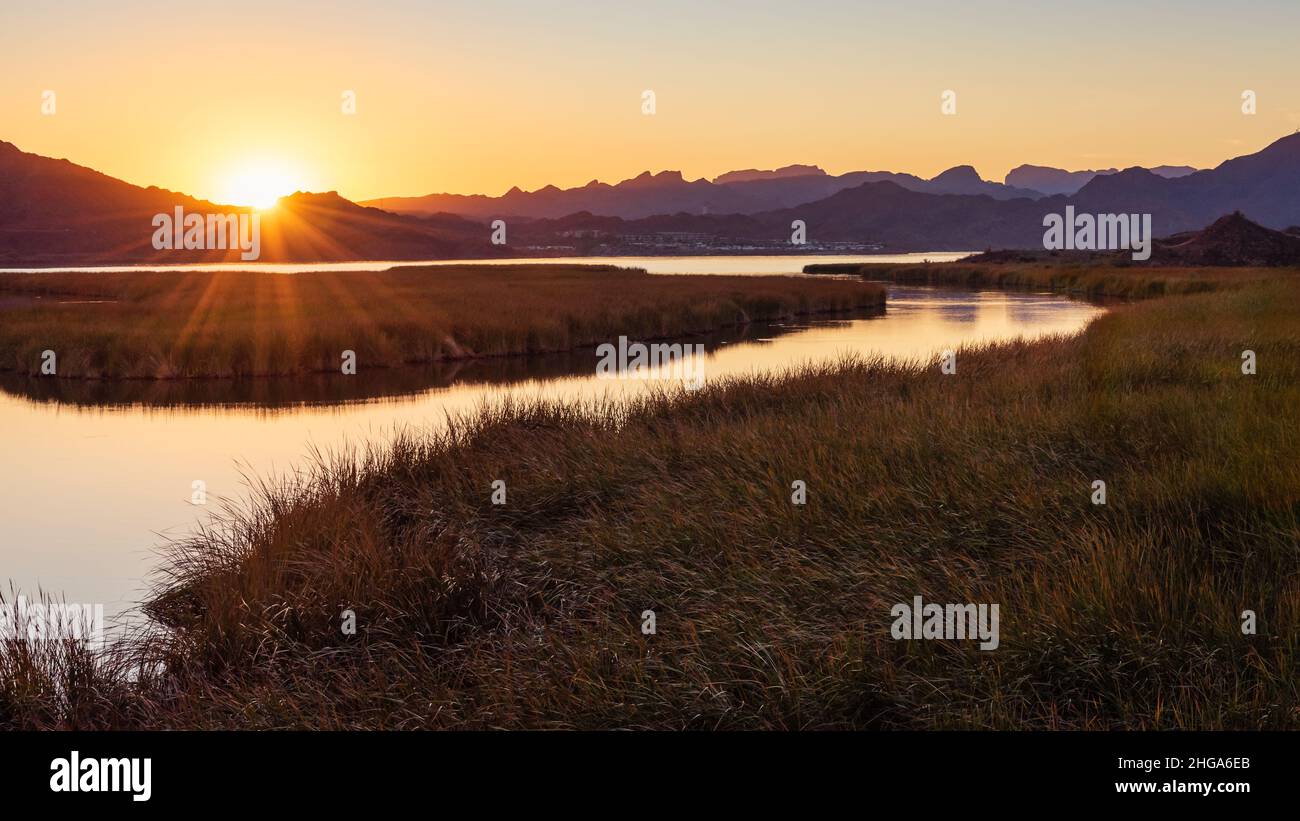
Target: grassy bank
column 169, row 325
column 1125, row 281
column 972, row 487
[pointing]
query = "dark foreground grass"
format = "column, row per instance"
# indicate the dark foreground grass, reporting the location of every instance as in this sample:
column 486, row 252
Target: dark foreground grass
column 1090, row 279
column 973, row 487
column 159, row 325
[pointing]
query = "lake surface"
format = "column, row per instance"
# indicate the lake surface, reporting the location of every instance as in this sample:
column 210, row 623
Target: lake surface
column 733, row 265
column 97, row 475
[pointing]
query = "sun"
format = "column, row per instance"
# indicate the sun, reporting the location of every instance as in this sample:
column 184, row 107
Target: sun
column 258, row 184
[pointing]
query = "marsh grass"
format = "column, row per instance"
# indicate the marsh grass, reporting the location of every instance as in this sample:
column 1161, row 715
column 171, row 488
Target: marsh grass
column 160, row 325
column 973, row 487
column 1097, row 280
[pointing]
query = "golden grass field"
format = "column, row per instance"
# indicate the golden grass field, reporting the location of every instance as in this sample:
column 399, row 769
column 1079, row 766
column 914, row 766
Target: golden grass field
column 1093, row 279
column 972, row 487
column 163, row 325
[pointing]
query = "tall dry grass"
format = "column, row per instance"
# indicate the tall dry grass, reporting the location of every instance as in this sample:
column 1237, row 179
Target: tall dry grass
column 161, row 325
column 973, row 487
column 1092, row 279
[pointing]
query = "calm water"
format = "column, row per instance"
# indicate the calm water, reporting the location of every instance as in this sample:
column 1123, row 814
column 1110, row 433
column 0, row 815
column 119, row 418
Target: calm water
column 656, row 265
column 96, row 476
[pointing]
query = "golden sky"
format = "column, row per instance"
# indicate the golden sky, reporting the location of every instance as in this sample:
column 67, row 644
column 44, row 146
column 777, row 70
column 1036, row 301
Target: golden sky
column 217, row 99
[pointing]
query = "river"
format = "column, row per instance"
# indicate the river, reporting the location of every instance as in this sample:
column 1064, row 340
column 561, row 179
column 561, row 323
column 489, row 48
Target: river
column 96, row 476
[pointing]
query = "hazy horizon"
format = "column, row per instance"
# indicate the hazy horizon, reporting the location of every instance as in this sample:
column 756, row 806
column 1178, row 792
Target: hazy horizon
column 476, row 100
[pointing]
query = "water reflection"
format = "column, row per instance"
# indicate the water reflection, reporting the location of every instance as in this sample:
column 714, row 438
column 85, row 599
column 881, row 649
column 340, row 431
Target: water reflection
column 97, row 474
column 958, row 310
column 758, row 264
column 368, row 384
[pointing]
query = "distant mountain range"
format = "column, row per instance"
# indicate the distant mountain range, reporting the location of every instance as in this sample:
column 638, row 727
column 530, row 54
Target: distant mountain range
column 1052, row 181
column 738, row 192
column 1265, row 186
column 53, row 212
column 668, row 192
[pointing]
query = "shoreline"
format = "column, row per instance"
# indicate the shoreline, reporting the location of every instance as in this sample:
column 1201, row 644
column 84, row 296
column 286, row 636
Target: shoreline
column 1083, row 279
column 266, row 266
column 157, row 326
column 865, row 310
column 989, row 468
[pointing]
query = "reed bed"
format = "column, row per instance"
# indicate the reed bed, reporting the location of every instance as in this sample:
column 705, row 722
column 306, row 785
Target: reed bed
column 969, row 487
column 168, row 325
column 1120, row 279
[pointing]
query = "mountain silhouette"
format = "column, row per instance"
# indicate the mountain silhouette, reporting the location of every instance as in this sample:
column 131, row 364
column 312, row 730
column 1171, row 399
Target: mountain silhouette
column 53, row 212
column 668, row 192
column 752, row 174
column 1053, row 181
column 873, row 211
column 1230, row 240
column 1263, row 185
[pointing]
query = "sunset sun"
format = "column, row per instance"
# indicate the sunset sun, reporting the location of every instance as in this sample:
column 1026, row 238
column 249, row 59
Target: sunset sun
column 258, row 184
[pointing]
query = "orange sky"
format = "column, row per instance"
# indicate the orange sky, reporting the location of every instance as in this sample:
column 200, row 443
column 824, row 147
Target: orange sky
column 475, row 100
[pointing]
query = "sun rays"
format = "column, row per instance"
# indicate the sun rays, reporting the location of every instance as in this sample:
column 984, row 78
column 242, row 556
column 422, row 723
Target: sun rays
column 259, row 183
